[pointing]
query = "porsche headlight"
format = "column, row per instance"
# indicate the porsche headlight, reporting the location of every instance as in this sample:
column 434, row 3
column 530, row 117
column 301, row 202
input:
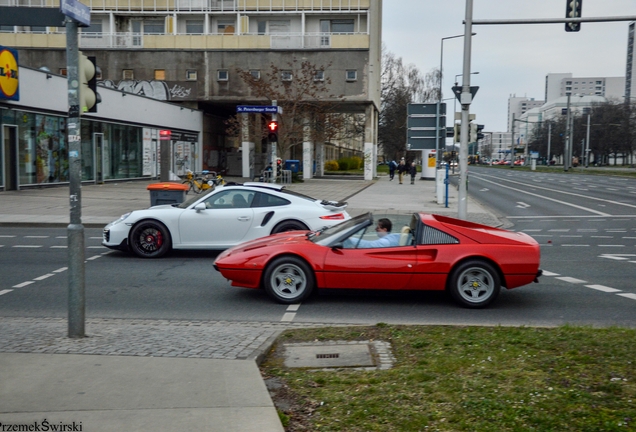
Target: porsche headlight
column 121, row 219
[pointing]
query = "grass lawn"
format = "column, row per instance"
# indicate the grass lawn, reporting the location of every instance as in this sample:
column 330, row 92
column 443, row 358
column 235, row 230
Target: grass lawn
column 466, row 379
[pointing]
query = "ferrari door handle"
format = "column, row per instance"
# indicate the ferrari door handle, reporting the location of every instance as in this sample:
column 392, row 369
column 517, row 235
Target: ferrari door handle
column 243, row 218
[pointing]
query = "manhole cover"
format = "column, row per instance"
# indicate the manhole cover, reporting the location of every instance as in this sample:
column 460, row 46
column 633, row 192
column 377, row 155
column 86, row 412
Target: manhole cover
column 329, row 356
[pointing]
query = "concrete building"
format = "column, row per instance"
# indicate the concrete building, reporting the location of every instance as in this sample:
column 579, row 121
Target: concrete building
column 559, row 85
column 189, row 52
column 517, row 106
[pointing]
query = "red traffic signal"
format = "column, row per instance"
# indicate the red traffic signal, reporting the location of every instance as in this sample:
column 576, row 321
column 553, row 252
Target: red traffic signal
column 272, row 128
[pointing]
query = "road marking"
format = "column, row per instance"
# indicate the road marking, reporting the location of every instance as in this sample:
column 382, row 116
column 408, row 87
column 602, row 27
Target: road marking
column 7, row 236
column 611, row 245
column 603, row 288
column 293, row 307
column 5, row 291
column 587, row 230
column 96, row 247
column 532, row 230
column 571, row 236
column 560, row 230
column 27, row 246
column 601, row 236
column 39, row 278
column 629, row 238
column 575, row 245
column 287, row 317
column 522, row 204
column 23, row 284
column 58, row 247
column 94, row 257
column 631, row 296
column 36, row 236
column 571, row 280
column 549, row 273
column 60, row 270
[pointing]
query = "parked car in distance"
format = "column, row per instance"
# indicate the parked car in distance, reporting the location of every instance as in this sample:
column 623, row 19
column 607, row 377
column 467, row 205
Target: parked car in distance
column 430, row 252
column 223, row 217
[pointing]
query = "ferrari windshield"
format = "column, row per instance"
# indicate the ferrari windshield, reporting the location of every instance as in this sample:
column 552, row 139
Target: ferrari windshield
column 328, row 235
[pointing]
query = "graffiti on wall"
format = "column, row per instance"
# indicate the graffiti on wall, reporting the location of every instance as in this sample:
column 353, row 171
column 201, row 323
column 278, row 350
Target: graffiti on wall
column 160, row 90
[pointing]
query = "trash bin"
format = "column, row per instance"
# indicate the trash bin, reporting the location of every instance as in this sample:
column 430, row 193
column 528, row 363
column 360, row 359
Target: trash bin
column 167, row 193
column 292, row 165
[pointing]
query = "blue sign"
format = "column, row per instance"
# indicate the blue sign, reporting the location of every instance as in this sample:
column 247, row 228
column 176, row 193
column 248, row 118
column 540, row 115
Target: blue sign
column 76, row 10
column 258, row 109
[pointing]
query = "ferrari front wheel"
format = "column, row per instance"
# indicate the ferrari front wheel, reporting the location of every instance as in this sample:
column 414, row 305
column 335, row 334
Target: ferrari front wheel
column 289, row 280
column 474, row 284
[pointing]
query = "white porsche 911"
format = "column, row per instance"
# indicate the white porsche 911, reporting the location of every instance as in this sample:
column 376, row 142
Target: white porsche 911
column 223, row 217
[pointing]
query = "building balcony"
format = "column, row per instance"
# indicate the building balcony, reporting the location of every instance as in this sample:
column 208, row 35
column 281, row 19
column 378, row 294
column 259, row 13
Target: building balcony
column 129, row 40
column 207, row 5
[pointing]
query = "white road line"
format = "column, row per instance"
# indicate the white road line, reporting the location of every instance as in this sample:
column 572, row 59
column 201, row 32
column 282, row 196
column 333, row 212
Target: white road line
column 27, row 246
column 587, row 230
column 36, row 236
column 532, row 230
column 94, row 257
column 601, row 236
column 631, row 296
column 560, row 230
column 575, row 245
column 611, row 245
column 60, row 270
column 288, row 316
column 95, row 238
column 571, row 280
column 7, row 236
column 603, row 288
column 61, row 237
column 39, row 278
column 549, row 273
column 96, row 247
column 629, row 238
column 23, row 284
column 293, row 307
column 5, row 291
column 58, row 247
column 571, row 236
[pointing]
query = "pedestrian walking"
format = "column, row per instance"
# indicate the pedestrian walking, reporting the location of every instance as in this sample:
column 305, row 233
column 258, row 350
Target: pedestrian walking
column 413, row 172
column 401, row 169
column 392, row 166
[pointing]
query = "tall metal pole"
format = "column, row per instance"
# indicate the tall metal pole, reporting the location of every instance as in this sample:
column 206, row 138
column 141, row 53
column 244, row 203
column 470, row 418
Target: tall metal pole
column 466, row 99
column 512, row 143
column 76, row 274
column 587, row 142
column 549, row 141
column 566, row 151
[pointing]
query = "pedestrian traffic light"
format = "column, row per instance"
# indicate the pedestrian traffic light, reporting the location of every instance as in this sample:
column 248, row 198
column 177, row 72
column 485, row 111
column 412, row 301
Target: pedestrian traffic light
column 272, row 131
column 573, row 10
column 88, row 96
column 480, row 135
column 473, row 132
column 456, row 132
column 279, row 167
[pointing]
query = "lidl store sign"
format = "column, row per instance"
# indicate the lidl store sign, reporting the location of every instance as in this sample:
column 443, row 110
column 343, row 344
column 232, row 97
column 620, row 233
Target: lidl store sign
column 9, row 83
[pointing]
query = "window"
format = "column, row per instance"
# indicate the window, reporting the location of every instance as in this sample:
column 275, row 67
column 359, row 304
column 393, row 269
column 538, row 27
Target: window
column 568, row 83
column 267, row 200
column 6, row 28
column 255, row 73
column 286, row 75
column 160, row 74
column 319, row 76
column 194, row 26
column 191, row 75
column 154, row 26
column 352, row 75
column 225, row 27
column 222, row 75
column 262, row 27
column 95, row 27
column 342, row 26
column 63, row 71
column 128, row 74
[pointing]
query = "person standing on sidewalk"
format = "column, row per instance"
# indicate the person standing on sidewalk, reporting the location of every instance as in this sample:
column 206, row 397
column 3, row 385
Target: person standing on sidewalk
column 392, row 167
column 413, row 172
column 401, row 169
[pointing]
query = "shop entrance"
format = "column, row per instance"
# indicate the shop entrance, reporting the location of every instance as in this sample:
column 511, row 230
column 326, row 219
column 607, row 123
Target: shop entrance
column 9, row 174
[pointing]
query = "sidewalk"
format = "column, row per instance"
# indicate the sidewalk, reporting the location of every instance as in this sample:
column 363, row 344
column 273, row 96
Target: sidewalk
column 139, row 375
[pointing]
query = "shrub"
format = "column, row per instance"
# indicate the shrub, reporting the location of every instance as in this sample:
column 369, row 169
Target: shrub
column 350, row 163
column 344, row 164
column 332, row 165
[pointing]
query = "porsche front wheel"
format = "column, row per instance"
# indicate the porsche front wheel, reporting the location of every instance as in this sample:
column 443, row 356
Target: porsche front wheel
column 150, row 239
column 474, row 284
column 288, row 280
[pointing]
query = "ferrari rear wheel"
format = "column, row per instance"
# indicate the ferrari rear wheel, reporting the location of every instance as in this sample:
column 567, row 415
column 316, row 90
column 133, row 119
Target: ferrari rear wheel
column 150, row 239
column 289, row 280
column 474, row 284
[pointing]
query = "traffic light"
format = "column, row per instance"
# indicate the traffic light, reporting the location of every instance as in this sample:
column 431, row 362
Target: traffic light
column 88, row 96
column 456, row 132
column 272, row 131
column 279, row 167
column 480, row 135
column 573, row 10
column 473, row 132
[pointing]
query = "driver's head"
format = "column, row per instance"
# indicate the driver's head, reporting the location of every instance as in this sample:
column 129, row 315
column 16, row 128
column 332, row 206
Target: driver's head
column 384, row 227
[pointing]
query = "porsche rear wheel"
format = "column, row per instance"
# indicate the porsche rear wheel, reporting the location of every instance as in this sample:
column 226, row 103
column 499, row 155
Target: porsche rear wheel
column 474, row 284
column 288, row 280
column 289, row 226
column 150, row 239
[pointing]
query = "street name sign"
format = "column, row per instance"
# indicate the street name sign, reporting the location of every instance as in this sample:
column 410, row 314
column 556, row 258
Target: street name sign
column 77, row 11
column 266, row 109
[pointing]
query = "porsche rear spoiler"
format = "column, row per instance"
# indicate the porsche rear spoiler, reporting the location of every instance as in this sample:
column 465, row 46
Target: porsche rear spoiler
column 333, row 205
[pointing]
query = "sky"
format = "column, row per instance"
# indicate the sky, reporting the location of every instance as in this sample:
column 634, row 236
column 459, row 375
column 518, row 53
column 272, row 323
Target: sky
column 512, row 60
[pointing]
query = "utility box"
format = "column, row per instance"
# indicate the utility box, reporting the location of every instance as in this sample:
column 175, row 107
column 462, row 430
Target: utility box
column 292, row 165
column 167, row 193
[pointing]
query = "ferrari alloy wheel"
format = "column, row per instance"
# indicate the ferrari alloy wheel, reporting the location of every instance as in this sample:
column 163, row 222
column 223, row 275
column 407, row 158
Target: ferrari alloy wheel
column 289, row 280
column 150, row 239
column 474, row 284
column 289, row 226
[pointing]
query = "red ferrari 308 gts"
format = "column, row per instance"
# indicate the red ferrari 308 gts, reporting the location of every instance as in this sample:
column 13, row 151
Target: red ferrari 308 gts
column 430, row 252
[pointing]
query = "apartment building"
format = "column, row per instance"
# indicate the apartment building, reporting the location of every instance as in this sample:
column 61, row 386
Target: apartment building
column 189, row 51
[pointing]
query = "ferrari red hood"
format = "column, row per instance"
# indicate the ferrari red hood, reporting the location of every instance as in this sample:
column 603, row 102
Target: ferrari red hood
column 290, row 237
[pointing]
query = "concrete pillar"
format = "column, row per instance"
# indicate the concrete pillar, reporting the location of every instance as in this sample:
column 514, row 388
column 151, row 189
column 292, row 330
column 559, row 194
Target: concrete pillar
column 320, row 159
column 308, row 151
column 247, row 148
column 370, row 144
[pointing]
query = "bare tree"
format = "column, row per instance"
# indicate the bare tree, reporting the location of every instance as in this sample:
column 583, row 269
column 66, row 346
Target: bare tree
column 301, row 89
column 401, row 84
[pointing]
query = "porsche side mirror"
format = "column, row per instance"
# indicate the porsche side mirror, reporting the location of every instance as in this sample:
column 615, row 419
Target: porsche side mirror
column 199, row 207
